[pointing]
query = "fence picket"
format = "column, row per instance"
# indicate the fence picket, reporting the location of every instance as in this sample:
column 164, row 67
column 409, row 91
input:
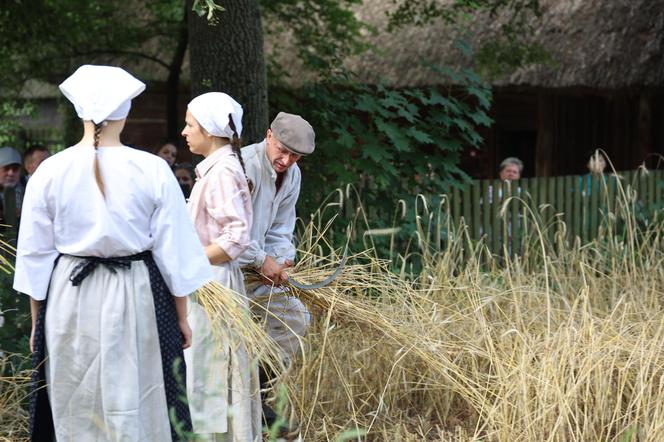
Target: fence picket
column 568, row 199
column 594, row 205
column 456, row 207
column 514, row 227
column 495, row 217
column 582, row 202
column 475, row 234
column 486, row 214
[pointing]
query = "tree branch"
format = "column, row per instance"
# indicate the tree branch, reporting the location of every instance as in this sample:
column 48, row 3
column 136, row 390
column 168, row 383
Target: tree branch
column 136, row 54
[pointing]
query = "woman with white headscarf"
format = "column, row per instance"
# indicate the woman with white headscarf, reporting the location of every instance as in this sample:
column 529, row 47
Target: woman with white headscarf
column 107, row 253
column 222, row 380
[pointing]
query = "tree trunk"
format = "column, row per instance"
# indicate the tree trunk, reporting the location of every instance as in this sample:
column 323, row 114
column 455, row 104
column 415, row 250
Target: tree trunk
column 173, row 117
column 228, row 57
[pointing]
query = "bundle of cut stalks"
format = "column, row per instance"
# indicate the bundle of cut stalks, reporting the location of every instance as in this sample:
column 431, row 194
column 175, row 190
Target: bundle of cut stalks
column 335, row 298
column 231, row 318
column 229, row 315
column 367, row 296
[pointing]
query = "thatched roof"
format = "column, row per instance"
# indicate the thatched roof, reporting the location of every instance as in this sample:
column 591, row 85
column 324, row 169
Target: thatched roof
column 605, row 44
column 599, row 44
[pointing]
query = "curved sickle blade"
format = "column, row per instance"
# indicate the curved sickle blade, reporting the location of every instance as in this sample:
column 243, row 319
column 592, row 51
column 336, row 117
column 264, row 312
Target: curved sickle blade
column 327, row 280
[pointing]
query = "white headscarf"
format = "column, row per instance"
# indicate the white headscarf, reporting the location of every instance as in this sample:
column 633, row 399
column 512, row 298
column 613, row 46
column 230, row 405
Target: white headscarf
column 101, row 93
column 212, row 109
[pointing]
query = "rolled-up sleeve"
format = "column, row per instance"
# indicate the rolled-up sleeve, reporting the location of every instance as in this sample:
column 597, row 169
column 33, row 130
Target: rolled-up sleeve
column 36, row 252
column 228, row 203
column 253, row 255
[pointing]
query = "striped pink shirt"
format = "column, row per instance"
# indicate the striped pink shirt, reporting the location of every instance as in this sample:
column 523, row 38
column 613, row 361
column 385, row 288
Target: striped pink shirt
column 220, row 203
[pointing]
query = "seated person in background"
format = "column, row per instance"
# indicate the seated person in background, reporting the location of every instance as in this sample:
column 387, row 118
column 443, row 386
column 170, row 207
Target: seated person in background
column 184, row 172
column 33, row 157
column 596, row 162
column 10, row 178
column 168, row 151
column 511, row 169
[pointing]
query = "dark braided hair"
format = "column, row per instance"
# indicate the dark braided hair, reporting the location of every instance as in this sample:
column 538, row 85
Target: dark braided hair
column 235, row 145
column 98, row 177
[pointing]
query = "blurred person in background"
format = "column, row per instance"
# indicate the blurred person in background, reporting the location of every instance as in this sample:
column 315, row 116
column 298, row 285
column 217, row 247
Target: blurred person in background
column 33, row 157
column 510, row 169
column 596, row 162
column 168, row 151
column 184, row 172
column 11, row 180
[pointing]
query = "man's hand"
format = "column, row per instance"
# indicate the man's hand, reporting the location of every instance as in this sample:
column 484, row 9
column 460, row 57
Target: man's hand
column 273, row 273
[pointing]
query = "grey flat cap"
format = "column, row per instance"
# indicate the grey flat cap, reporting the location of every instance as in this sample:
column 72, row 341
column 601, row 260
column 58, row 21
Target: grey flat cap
column 9, row 155
column 294, row 132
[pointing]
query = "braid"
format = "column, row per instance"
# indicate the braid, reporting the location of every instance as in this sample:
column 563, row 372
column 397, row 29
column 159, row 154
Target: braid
column 97, row 171
column 235, row 145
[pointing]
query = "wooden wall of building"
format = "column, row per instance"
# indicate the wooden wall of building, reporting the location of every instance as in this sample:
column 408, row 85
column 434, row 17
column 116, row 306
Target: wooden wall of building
column 146, row 125
column 553, row 131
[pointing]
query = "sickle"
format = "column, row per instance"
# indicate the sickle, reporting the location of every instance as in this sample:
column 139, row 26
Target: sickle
column 325, row 281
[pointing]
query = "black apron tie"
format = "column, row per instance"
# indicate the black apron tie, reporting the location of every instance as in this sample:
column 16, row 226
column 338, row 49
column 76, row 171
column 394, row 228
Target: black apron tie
column 87, row 265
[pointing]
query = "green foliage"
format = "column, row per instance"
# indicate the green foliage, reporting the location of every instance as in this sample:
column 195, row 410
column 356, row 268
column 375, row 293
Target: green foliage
column 421, row 12
column 10, row 111
column 323, row 32
column 502, row 53
column 15, row 309
column 281, row 422
column 501, row 56
column 390, row 143
column 209, row 8
column 47, row 39
column 62, row 34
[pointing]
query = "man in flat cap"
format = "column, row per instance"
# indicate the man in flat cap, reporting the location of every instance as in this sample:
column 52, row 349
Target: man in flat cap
column 12, row 185
column 275, row 179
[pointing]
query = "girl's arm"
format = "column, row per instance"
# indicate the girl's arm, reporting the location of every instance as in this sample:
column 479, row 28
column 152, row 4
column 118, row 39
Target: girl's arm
column 181, row 309
column 34, row 312
column 216, row 254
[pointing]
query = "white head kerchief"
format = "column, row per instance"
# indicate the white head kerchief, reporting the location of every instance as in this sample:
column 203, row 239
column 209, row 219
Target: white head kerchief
column 211, row 110
column 101, row 92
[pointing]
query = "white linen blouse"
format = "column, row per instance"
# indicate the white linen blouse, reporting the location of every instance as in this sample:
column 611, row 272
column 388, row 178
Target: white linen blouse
column 65, row 213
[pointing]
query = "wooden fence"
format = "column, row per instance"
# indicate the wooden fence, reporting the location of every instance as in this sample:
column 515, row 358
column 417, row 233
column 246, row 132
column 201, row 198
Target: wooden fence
column 502, row 214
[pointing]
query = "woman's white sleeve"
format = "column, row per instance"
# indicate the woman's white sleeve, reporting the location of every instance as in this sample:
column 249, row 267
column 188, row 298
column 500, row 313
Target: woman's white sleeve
column 35, row 252
column 177, row 249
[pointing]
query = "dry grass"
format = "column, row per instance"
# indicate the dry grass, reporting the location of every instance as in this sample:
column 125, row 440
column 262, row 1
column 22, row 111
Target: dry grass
column 13, row 390
column 229, row 315
column 566, row 344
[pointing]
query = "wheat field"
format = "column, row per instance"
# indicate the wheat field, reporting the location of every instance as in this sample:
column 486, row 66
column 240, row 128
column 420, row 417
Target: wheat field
column 563, row 343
